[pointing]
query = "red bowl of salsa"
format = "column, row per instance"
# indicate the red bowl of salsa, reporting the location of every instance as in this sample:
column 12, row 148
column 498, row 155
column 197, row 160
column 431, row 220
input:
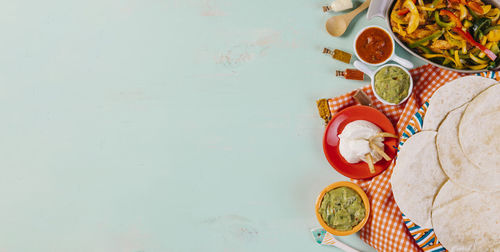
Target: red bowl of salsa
column 374, row 45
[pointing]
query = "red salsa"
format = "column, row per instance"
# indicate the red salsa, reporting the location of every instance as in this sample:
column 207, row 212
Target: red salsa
column 374, row 45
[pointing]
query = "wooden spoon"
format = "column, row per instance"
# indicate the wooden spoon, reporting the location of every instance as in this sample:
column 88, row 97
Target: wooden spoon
column 337, row 25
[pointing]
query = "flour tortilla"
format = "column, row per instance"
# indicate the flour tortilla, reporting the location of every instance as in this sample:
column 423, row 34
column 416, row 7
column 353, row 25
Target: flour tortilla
column 453, row 160
column 453, row 95
column 464, row 220
column 417, row 177
column 479, row 133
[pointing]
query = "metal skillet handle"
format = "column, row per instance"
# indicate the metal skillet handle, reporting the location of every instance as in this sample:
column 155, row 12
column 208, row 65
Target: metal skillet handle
column 378, row 8
column 363, row 68
column 403, row 62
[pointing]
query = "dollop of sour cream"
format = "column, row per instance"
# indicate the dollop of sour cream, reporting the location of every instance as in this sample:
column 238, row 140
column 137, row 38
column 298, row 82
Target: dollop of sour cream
column 354, row 144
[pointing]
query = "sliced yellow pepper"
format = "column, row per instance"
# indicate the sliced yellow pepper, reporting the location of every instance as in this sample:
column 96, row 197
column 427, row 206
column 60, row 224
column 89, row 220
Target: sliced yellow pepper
column 463, row 12
column 477, row 67
column 457, row 37
column 486, row 8
column 452, row 41
column 425, row 8
column 493, row 14
column 464, row 47
column 457, row 60
column 414, row 16
column 484, row 40
column 477, row 60
column 489, row 45
column 430, row 56
column 493, row 35
column 395, row 17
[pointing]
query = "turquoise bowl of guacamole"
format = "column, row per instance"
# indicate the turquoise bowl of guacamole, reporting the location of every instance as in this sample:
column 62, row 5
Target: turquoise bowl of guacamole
column 342, row 208
column 392, row 84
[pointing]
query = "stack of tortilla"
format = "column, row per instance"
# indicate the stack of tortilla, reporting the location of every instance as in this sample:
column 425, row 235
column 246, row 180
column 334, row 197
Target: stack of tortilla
column 447, row 177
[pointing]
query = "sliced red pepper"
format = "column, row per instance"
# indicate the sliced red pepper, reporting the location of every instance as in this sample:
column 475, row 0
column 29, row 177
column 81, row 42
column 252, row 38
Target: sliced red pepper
column 475, row 7
column 471, row 40
column 452, row 16
column 403, row 12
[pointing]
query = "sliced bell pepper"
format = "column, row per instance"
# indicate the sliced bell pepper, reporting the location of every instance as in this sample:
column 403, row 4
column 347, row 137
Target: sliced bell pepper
column 463, row 11
column 477, row 60
column 491, row 28
column 457, row 60
column 453, row 41
column 456, row 37
column 425, row 8
column 493, row 14
column 448, row 58
column 425, row 39
column 475, row 7
column 441, row 23
column 396, row 18
column 494, row 48
column 425, row 49
column 452, row 16
column 484, row 39
column 480, row 25
column 493, row 35
column 431, row 56
column 403, row 12
column 472, row 13
column 477, row 67
column 486, row 8
column 414, row 16
column 399, row 29
column 471, row 40
column 467, row 24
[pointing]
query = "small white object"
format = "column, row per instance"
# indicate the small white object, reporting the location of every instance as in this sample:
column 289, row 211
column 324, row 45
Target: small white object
column 341, row 5
column 354, row 144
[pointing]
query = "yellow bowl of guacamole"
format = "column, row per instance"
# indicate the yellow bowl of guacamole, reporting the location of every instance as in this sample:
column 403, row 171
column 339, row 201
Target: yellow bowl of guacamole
column 392, row 84
column 342, row 208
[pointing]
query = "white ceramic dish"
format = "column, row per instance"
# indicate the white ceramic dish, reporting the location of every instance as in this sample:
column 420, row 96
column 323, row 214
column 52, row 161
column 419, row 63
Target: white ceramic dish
column 382, row 8
column 393, row 56
column 365, row 69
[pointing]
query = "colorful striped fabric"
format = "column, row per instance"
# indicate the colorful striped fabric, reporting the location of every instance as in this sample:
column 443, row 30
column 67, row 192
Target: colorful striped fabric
column 425, row 238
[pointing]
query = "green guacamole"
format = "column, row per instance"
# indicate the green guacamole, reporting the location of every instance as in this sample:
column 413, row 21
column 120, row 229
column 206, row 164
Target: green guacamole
column 342, row 208
column 392, row 84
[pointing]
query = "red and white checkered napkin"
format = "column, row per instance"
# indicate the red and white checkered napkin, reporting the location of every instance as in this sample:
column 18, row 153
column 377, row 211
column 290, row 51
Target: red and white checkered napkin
column 385, row 230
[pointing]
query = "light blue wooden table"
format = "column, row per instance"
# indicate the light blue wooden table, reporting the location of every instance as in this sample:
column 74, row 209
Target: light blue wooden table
column 150, row 125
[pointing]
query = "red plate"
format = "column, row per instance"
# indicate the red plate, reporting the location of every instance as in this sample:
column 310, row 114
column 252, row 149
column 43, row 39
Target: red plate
column 331, row 141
